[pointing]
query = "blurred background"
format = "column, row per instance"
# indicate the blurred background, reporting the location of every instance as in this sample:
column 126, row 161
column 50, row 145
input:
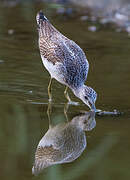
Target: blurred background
column 102, row 29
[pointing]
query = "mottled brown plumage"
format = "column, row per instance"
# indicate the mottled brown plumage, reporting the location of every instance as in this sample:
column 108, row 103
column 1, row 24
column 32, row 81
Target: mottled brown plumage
column 64, row 60
column 56, row 47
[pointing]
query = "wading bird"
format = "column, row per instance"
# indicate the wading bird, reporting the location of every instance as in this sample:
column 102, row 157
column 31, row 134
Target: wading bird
column 65, row 61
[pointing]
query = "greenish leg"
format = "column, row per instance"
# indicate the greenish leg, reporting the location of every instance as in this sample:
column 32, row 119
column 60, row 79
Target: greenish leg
column 68, row 98
column 66, row 94
column 49, row 90
column 49, row 110
column 65, row 110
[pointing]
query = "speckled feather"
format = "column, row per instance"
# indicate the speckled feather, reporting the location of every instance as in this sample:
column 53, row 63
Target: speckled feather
column 67, row 142
column 56, row 48
column 64, row 142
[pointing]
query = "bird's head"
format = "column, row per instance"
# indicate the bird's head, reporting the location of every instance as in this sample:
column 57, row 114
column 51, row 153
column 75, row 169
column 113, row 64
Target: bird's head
column 88, row 96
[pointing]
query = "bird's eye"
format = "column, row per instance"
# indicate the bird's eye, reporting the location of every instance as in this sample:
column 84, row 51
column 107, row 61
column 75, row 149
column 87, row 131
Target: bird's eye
column 86, row 97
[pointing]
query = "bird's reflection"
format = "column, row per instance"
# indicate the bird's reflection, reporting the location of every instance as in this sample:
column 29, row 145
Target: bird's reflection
column 63, row 142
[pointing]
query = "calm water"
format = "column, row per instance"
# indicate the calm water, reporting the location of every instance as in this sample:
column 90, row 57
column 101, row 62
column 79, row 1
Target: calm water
column 24, row 99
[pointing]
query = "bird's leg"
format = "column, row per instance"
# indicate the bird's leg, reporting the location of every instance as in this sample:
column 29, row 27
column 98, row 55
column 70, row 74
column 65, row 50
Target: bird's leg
column 49, row 110
column 66, row 94
column 68, row 98
column 65, row 110
column 49, row 90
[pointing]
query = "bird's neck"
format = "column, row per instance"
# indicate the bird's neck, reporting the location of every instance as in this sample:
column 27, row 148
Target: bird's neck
column 78, row 91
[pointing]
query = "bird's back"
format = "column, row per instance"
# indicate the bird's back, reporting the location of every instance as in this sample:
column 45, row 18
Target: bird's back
column 63, row 53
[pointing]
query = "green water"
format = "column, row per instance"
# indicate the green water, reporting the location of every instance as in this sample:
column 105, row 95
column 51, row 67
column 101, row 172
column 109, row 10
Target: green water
column 24, row 98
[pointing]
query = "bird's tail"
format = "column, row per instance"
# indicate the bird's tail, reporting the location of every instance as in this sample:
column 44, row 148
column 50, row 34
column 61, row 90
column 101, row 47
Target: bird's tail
column 45, row 28
column 40, row 17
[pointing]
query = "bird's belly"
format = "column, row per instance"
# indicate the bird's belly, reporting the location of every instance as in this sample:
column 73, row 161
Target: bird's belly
column 54, row 70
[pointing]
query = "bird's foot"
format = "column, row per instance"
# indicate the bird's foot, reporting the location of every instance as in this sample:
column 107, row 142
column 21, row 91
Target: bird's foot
column 50, row 100
column 73, row 103
column 98, row 110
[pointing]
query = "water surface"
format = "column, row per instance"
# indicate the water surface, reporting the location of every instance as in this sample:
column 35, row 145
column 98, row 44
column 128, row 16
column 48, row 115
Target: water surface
column 24, row 99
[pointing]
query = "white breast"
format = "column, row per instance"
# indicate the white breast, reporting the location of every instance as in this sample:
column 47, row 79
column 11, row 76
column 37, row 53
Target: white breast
column 54, row 70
